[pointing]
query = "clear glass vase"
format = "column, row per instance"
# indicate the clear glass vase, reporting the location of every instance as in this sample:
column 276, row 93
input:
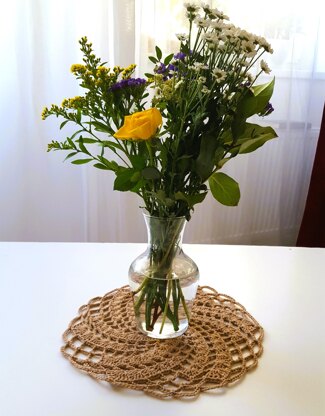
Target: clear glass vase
column 163, row 280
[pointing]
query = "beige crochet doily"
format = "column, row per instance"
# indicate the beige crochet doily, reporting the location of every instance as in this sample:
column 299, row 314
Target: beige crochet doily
column 222, row 343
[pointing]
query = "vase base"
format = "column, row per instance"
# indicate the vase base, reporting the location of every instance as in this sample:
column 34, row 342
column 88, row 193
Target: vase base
column 168, row 331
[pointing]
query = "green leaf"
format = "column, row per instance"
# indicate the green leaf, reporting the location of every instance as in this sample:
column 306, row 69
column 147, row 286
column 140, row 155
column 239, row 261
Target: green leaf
column 71, row 155
column 158, row 53
column 264, row 89
column 224, row 189
column 168, row 59
column 253, row 102
column 78, row 115
column 138, row 161
column 101, row 166
column 73, row 146
column 101, row 127
column 153, row 59
column 223, row 162
column 81, row 161
column 135, row 177
column 76, row 133
column 191, row 200
column 238, row 126
column 123, row 180
column 258, row 136
column 162, row 198
column 138, row 185
column 204, row 164
column 87, row 140
column 111, row 145
column 253, row 137
column 110, row 164
column 63, row 124
column 151, row 173
column 82, row 147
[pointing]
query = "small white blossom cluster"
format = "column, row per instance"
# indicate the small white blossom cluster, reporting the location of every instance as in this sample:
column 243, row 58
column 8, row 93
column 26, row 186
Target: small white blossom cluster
column 217, row 32
column 264, row 67
column 220, row 61
column 213, row 13
column 182, row 37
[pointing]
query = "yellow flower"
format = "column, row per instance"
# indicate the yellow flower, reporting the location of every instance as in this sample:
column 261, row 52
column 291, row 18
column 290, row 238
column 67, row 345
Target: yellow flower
column 126, row 73
column 102, row 71
column 78, row 69
column 141, row 125
column 45, row 113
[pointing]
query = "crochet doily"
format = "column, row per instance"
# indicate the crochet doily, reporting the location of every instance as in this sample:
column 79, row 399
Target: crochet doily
column 222, row 343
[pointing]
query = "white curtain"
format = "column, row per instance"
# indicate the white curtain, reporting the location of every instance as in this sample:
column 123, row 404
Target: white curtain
column 44, row 199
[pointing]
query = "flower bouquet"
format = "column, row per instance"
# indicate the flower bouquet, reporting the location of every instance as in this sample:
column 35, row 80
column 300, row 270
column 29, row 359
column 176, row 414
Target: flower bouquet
column 169, row 149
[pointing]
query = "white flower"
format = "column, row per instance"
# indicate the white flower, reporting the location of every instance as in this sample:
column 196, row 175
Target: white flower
column 222, row 47
column 178, row 84
column 211, row 37
column 249, row 77
column 206, row 8
column 264, row 43
column 264, row 67
column 205, row 90
column 218, row 26
column 201, row 22
column 229, row 33
column 223, row 16
column 249, row 49
column 191, row 7
column 208, row 36
column 219, row 74
column 182, row 37
column 227, row 96
column 202, row 80
column 199, row 65
column 244, row 35
column 243, row 62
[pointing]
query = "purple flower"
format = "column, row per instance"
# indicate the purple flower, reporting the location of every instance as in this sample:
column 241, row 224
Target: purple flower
column 126, row 83
column 162, row 69
column 180, row 56
column 268, row 109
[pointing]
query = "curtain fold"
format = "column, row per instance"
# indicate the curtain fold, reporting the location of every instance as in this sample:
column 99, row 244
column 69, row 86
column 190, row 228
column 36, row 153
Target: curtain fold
column 43, row 199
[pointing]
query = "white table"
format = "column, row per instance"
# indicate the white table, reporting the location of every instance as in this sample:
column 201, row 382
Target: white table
column 43, row 284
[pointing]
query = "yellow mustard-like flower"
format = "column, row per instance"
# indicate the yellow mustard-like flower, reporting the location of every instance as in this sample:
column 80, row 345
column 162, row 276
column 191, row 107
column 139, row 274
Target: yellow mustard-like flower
column 102, row 71
column 45, row 113
column 141, row 125
column 65, row 103
column 77, row 101
column 78, row 69
column 117, row 69
column 128, row 71
column 74, row 102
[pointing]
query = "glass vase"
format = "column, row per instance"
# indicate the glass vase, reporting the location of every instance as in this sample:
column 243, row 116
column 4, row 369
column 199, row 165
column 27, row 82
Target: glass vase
column 163, row 280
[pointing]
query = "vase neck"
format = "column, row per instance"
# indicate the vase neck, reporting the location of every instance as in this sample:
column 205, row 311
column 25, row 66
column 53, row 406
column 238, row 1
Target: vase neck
column 165, row 233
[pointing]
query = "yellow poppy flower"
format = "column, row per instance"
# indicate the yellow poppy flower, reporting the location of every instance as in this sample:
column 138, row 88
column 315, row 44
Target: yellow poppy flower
column 140, row 126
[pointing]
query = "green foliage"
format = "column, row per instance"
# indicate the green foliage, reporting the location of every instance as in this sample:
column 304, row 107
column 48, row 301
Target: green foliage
column 254, row 100
column 224, row 189
column 206, row 159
